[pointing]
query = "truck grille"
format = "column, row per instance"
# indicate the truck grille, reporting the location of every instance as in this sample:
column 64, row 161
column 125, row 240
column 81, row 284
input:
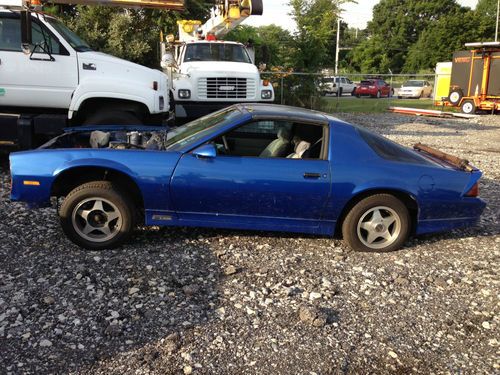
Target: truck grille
column 226, row 88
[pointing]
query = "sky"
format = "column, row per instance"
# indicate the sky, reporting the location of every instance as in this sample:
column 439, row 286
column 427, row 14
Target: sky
column 356, row 15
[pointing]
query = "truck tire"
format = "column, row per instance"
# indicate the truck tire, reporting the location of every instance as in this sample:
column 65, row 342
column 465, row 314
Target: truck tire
column 108, row 117
column 257, row 8
column 378, row 223
column 468, row 107
column 455, row 96
column 97, row 216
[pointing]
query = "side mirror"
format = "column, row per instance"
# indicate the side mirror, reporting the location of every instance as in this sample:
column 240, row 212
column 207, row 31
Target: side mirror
column 206, row 151
column 167, row 60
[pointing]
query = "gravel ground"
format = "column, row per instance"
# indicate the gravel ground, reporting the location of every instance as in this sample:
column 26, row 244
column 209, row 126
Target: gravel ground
column 226, row 302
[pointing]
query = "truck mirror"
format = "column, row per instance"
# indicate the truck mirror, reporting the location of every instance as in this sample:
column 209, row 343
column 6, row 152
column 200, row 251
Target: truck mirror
column 167, row 60
column 25, row 28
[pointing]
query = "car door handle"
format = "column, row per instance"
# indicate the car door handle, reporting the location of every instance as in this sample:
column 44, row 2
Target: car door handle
column 312, row 175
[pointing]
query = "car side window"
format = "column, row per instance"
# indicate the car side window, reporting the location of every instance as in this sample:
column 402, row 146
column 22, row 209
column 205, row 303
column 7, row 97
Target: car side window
column 342, row 80
column 47, row 42
column 273, row 139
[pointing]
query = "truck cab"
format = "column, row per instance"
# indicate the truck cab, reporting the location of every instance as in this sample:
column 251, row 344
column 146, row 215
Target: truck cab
column 59, row 73
column 210, row 75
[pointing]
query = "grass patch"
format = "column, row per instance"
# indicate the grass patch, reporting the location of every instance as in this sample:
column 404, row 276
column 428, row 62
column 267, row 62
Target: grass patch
column 372, row 105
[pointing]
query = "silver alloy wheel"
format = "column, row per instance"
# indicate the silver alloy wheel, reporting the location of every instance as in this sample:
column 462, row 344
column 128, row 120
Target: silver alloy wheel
column 96, row 219
column 379, row 227
column 468, row 107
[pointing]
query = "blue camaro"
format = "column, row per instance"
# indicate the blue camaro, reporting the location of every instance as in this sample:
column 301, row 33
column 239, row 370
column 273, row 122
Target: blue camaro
column 260, row 167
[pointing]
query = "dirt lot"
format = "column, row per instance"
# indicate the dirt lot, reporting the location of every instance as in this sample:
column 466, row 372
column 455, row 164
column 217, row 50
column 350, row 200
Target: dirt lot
column 225, row 302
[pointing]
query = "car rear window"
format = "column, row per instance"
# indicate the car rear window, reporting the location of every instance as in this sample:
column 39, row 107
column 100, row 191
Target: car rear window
column 366, row 83
column 389, row 150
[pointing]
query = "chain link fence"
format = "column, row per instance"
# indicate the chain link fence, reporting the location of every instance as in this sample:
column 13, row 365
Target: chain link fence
column 327, row 93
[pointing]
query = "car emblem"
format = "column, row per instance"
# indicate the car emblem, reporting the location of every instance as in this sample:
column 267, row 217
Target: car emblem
column 226, row 88
column 89, row 66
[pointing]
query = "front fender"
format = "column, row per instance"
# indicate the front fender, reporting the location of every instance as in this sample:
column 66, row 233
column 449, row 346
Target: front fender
column 101, row 87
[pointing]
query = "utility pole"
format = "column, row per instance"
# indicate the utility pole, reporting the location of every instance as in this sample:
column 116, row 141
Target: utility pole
column 496, row 29
column 337, row 47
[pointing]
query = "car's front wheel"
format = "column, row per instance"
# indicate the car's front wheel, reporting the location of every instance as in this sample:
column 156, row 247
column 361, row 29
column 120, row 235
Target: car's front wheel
column 379, row 222
column 97, row 216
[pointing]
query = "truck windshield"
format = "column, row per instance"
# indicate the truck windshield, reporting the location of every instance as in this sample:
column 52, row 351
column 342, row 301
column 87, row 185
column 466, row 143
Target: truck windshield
column 197, row 129
column 74, row 40
column 216, row 52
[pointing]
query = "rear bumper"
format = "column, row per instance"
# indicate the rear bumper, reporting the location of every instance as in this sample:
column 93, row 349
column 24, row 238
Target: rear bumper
column 472, row 210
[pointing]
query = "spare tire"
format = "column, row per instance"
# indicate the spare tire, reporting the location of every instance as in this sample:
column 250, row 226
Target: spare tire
column 456, row 96
column 257, row 8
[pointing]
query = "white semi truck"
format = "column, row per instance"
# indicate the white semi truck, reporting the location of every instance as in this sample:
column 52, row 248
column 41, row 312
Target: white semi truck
column 207, row 73
column 50, row 78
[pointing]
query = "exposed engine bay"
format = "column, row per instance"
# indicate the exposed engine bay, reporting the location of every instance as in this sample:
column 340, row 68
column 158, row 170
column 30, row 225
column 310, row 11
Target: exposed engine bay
column 120, row 140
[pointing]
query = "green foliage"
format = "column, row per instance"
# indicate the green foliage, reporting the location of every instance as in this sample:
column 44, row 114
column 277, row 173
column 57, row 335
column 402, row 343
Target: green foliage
column 438, row 42
column 132, row 34
column 272, row 43
column 395, row 27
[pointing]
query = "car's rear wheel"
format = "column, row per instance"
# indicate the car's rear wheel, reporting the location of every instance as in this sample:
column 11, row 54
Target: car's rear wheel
column 379, row 223
column 97, row 216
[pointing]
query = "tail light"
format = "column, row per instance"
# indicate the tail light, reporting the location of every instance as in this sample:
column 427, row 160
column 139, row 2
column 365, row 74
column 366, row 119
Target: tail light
column 473, row 191
column 371, row 87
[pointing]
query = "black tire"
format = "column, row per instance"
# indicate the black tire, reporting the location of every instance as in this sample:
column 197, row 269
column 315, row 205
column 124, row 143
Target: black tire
column 468, row 107
column 108, row 117
column 257, row 8
column 353, row 92
column 83, row 199
column 400, row 97
column 339, row 92
column 386, row 204
column 455, row 96
column 358, row 96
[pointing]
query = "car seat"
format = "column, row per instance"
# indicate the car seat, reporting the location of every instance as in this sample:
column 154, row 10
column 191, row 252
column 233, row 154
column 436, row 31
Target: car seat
column 279, row 147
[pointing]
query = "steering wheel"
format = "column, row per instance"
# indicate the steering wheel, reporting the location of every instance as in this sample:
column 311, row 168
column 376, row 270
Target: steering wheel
column 226, row 144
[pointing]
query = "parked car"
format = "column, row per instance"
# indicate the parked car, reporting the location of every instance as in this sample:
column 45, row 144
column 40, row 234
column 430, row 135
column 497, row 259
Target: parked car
column 375, row 88
column 415, row 89
column 337, row 86
column 253, row 166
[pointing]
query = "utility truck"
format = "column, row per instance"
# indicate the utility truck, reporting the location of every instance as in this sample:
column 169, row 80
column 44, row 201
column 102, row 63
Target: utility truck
column 208, row 73
column 50, row 78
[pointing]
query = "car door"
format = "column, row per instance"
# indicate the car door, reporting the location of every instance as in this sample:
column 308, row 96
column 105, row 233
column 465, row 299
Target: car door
column 252, row 192
column 35, row 80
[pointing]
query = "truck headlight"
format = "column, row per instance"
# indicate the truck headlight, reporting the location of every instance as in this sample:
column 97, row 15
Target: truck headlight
column 266, row 94
column 184, row 94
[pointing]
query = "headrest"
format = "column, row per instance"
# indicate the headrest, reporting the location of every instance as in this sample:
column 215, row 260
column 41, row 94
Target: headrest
column 284, row 134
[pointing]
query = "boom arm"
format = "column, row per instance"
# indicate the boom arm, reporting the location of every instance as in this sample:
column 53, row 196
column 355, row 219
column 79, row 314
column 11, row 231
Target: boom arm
column 225, row 16
column 162, row 4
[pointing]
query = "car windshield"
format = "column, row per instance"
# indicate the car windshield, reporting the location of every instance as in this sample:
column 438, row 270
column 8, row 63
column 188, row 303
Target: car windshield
column 413, row 84
column 197, row 129
column 216, row 52
column 74, row 40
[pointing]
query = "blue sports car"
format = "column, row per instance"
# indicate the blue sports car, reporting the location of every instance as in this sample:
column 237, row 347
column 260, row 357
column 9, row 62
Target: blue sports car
column 259, row 167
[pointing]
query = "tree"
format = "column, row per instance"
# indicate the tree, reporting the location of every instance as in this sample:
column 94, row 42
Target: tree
column 273, row 44
column 132, row 34
column 316, row 27
column 486, row 13
column 439, row 41
column 396, row 26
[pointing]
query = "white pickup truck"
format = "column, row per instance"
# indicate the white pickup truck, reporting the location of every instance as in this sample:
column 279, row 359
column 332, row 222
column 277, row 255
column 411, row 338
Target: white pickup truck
column 58, row 81
column 209, row 75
